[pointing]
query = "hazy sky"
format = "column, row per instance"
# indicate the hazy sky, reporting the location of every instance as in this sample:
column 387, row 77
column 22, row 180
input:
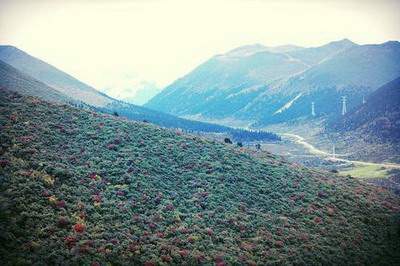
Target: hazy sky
column 118, row 43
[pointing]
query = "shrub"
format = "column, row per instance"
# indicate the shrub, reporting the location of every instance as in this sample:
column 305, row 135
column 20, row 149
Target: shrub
column 79, row 228
column 228, row 141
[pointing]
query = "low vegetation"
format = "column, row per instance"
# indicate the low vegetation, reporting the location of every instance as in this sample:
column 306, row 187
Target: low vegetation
column 78, row 187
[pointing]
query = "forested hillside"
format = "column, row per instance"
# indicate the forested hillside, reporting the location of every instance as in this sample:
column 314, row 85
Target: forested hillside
column 79, row 187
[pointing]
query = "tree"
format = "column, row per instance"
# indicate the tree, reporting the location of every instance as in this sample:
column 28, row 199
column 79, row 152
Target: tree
column 228, row 141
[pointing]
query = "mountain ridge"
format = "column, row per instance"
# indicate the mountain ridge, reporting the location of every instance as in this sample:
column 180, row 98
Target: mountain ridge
column 340, row 68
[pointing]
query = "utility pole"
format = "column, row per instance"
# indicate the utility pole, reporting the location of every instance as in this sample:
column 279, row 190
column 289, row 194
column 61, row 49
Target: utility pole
column 364, row 101
column 333, row 151
column 344, row 109
column 312, row 109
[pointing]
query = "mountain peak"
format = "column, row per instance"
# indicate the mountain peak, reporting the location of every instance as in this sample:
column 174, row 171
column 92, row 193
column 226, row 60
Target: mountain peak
column 391, row 44
column 246, row 50
column 343, row 43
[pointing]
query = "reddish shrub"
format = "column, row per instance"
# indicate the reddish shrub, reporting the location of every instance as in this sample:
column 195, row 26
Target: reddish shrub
column 279, row 244
column 13, row 117
column 304, row 237
column 116, row 141
column 114, row 241
column 331, row 211
column 84, row 248
column 63, row 222
column 166, row 258
column 46, row 193
column 133, row 247
column 183, row 252
column 120, row 193
column 149, row 263
column 317, row 220
column 219, row 261
column 136, row 217
column 96, row 198
column 209, row 231
column 79, row 228
column 4, row 163
column 200, row 258
column 152, row 225
column 95, row 263
column 112, row 147
column 61, row 204
column 160, row 234
column 70, row 241
column 93, row 176
column 169, row 207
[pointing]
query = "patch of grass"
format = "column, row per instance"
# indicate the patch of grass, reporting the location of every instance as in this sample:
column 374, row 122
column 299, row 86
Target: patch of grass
column 365, row 171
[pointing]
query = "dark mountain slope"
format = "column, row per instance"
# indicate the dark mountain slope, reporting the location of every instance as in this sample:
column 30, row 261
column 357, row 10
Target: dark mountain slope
column 378, row 117
column 53, row 77
column 82, row 188
column 13, row 79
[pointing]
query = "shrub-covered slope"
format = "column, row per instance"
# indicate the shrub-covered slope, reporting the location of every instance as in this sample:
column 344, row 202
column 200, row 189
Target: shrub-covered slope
column 82, row 188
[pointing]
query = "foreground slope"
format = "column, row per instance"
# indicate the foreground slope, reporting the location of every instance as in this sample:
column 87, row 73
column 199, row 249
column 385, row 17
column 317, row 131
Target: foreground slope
column 79, row 187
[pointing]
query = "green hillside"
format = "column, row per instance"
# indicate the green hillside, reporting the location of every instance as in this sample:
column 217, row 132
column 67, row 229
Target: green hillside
column 79, row 187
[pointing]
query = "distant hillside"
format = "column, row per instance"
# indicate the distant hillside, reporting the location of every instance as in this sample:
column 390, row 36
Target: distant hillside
column 262, row 86
column 53, row 77
column 23, row 83
column 88, row 189
column 13, row 79
column 379, row 116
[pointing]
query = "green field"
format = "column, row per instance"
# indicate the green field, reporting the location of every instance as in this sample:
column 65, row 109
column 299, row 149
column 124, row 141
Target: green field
column 366, row 171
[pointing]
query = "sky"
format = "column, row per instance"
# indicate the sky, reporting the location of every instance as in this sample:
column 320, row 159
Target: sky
column 122, row 46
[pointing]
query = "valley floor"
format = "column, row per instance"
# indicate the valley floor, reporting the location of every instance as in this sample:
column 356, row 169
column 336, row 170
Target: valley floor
column 305, row 143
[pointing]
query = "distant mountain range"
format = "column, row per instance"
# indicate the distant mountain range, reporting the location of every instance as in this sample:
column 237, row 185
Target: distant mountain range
column 262, row 85
column 28, row 75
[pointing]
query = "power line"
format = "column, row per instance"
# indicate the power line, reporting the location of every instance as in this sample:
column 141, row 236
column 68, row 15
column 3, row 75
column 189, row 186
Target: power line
column 344, row 109
column 312, row 109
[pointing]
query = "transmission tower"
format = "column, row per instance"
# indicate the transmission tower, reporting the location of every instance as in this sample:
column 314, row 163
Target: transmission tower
column 312, row 109
column 344, row 109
